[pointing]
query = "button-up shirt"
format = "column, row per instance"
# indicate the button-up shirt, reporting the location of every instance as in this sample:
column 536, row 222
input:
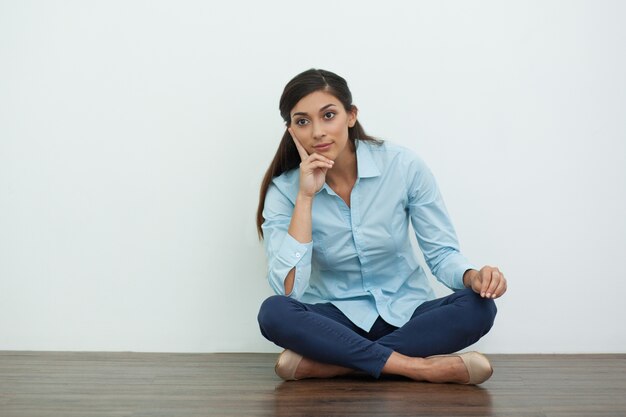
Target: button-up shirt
column 361, row 258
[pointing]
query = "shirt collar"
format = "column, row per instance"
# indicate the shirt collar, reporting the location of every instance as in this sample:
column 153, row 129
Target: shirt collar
column 366, row 167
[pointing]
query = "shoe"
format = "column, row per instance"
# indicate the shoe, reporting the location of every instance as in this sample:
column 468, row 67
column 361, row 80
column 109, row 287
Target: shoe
column 477, row 364
column 286, row 365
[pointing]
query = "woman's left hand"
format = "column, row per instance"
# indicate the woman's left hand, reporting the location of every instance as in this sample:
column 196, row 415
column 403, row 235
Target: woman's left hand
column 489, row 282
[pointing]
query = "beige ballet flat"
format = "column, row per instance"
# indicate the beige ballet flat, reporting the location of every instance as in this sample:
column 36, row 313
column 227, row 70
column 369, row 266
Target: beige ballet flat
column 477, row 364
column 286, row 365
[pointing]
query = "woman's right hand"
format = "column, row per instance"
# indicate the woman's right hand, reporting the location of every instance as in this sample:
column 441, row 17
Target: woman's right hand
column 313, row 169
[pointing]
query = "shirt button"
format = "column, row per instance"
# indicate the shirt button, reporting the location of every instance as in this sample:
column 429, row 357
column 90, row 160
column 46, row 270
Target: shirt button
column 297, row 254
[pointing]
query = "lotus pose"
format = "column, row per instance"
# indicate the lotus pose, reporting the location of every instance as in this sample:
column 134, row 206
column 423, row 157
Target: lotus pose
column 336, row 210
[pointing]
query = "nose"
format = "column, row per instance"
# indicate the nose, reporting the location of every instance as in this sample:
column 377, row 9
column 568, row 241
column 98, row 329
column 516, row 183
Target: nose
column 318, row 131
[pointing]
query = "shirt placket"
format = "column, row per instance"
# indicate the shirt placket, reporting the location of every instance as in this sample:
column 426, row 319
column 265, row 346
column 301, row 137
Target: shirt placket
column 359, row 242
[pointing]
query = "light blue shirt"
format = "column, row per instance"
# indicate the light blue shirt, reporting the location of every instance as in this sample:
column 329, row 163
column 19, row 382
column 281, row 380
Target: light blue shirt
column 361, row 259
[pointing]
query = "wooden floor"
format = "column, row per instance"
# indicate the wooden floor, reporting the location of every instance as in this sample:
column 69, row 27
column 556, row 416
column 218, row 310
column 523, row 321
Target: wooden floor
column 144, row 384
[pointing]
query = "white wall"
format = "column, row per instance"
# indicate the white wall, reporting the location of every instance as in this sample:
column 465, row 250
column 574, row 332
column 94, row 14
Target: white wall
column 134, row 134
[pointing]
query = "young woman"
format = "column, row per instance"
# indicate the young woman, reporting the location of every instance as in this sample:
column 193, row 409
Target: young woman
column 334, row 212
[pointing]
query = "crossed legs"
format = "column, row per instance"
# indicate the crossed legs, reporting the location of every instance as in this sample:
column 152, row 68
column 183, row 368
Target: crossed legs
column 332, row 345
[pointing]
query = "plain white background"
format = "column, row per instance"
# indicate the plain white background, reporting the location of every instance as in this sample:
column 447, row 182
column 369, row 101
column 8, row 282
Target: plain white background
column 134, row 135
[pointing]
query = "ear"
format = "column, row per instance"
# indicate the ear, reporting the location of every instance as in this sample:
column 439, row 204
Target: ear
column 352, row 116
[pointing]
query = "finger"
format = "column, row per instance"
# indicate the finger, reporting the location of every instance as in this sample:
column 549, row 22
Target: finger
column 301, row 151
column 316, row 165
column 502, row 286
column 496, row 276
column 501, row 289
column 486, row 281
column 318, row 157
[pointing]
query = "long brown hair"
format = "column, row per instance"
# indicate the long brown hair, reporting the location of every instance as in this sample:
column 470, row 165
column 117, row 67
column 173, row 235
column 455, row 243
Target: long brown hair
column 287, row 157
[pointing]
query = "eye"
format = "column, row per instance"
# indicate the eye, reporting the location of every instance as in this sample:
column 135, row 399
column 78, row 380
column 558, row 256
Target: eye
column 302, row 122
column 329, row 115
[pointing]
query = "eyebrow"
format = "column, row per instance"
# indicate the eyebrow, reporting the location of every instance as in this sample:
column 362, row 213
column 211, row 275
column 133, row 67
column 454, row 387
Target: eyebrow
column 300, row 113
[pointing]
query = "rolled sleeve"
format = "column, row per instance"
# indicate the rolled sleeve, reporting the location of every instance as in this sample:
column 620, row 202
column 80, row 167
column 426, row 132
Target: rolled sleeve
column 291, row 254
column 283, row 251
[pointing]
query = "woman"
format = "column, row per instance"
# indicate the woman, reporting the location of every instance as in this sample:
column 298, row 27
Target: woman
column 334, row 211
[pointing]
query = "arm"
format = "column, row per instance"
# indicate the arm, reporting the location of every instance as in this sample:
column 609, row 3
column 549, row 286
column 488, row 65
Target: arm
column 433, row 228
column 288, row 257
column 312, row 177
column 437, row 238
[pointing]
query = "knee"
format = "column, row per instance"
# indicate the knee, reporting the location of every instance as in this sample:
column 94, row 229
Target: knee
column 273, row 312
column 485, row 311
column 482, row 310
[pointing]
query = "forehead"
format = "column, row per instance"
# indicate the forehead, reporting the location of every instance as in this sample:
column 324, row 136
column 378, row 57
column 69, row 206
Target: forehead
column 313, row 102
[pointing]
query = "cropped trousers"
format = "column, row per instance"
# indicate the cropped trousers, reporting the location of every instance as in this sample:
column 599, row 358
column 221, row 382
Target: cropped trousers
column 323, row 333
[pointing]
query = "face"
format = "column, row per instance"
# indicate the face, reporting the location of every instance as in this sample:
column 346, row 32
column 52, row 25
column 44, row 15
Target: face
column 320, row 123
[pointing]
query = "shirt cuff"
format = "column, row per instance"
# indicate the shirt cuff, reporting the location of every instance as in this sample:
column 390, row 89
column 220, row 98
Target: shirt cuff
column 452, row 274
column 293, row 254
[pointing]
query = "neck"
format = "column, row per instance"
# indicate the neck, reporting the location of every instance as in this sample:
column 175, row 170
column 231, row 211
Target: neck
column 344, row 172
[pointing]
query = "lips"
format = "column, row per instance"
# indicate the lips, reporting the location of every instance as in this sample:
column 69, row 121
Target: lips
column 322, row 147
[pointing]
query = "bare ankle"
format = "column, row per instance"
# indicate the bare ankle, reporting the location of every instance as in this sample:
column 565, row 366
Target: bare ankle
column 446, row 369
column 309, row 368
column 433, row 369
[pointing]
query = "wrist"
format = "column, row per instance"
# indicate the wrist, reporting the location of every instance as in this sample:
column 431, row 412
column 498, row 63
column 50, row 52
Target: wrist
column 304, row 198
column 468, row 276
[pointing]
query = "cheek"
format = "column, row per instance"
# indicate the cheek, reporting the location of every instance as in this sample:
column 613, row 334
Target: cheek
column 340, row 128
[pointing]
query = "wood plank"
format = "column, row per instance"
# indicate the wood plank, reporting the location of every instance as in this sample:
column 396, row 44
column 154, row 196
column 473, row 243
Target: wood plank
column 130, row 384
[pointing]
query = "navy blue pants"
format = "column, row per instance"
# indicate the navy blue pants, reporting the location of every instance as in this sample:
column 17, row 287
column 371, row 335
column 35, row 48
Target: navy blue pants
column 323, row 333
